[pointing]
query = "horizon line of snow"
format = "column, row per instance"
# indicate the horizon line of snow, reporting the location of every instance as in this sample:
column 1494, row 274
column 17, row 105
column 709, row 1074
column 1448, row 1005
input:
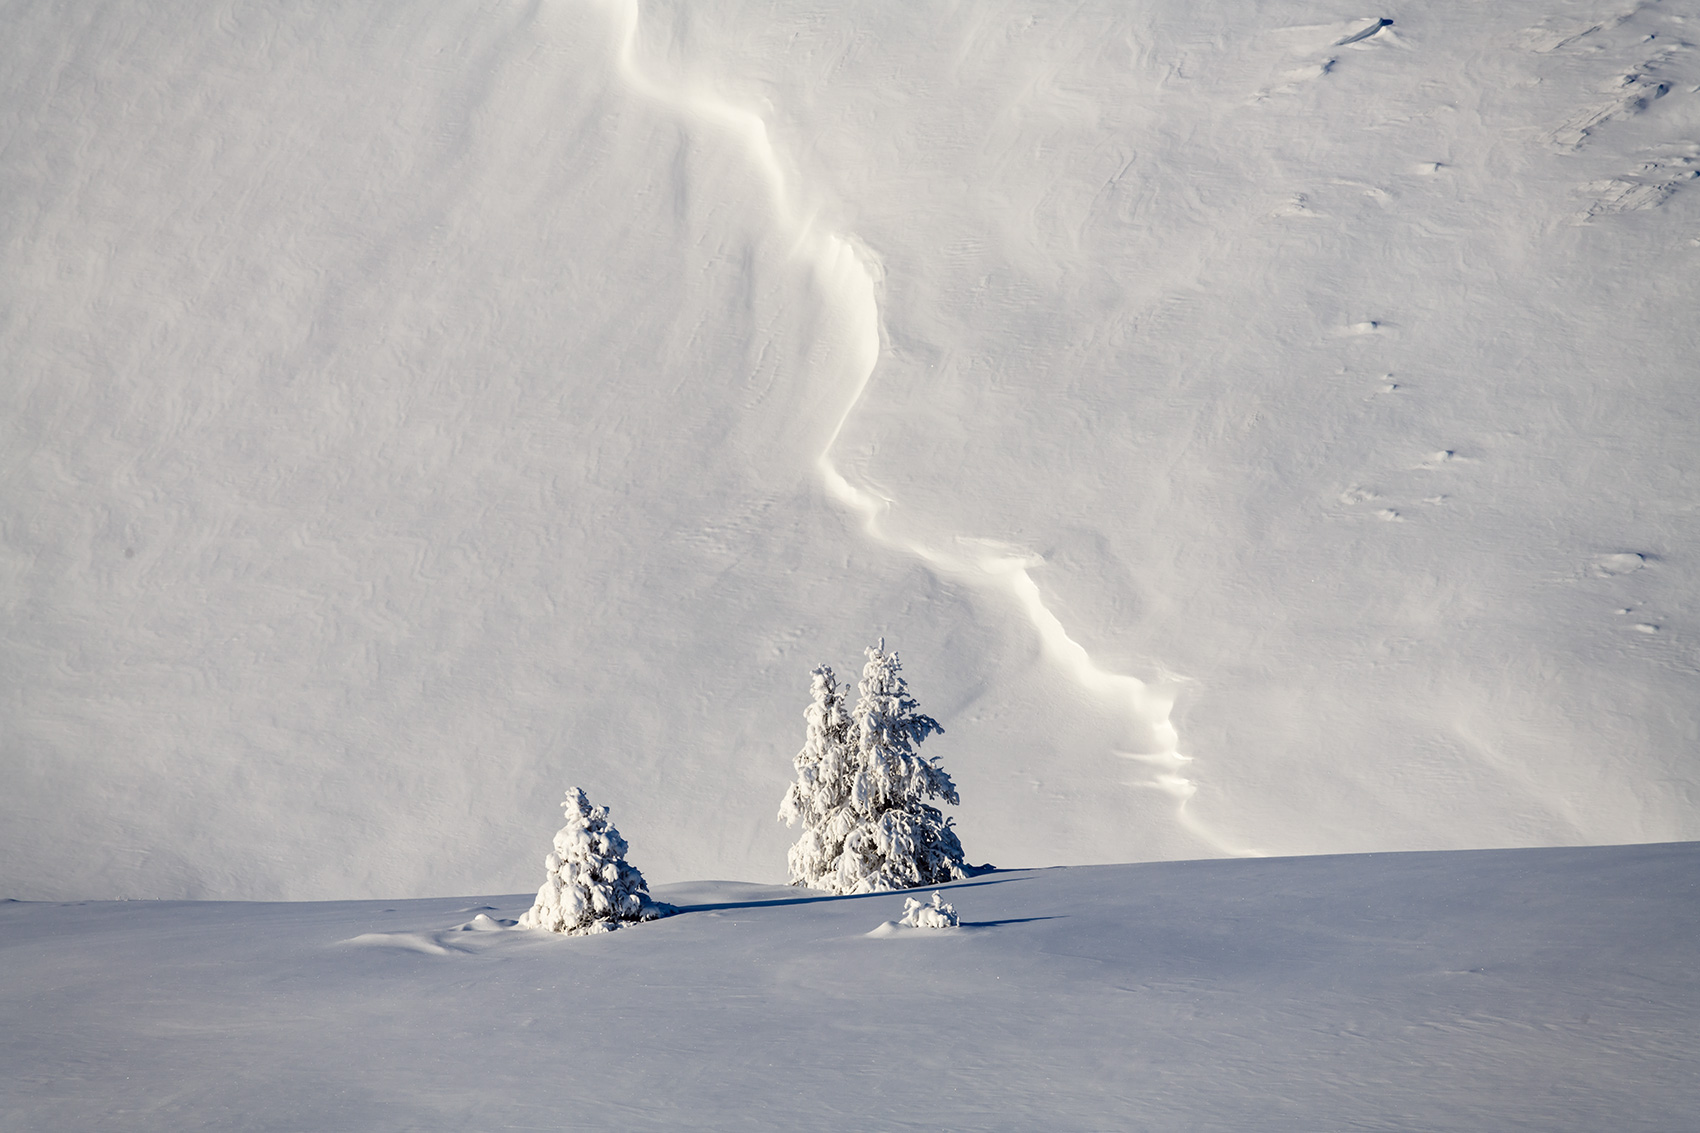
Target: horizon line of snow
column 850, row 272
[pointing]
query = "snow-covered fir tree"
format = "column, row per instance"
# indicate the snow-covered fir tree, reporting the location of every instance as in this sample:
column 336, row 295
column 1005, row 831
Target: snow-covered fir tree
column 590, row 887
column 901, row 840
column 862, row 791
column 819, row 798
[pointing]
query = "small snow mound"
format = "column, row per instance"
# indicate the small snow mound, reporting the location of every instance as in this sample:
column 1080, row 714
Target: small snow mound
column 405, row 941
column 887, row 928
column 936, row 915
column 1359, row 36
column 1607, row 566
column 483, row 923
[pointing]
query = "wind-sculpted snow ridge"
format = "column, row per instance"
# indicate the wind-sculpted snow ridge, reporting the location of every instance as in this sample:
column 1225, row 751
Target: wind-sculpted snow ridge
column 848, row 274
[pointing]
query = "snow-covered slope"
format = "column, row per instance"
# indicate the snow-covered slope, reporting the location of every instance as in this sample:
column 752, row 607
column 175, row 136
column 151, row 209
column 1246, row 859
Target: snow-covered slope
column 1550, row 989
column 1255, row 435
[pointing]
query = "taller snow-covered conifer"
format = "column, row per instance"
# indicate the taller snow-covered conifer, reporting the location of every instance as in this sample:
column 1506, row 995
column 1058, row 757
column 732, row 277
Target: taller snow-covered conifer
column 901, row 840
column 590, row 887
column 862, row 790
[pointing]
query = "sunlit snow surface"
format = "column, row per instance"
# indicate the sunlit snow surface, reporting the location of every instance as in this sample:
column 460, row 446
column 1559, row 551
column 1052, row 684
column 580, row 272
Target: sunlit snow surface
column 1261, row 428
column 1546, row 989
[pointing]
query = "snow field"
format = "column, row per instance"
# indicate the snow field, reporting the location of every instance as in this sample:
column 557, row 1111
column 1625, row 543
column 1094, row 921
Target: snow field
column 1549, row 989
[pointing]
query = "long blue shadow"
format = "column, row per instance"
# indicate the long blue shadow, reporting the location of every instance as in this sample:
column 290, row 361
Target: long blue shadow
column 1011, row 920
column 983, row 879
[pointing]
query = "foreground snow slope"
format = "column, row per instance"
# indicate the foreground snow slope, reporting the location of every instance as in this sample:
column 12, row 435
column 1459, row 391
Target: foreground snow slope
column 1550, row 989
column 409, row 410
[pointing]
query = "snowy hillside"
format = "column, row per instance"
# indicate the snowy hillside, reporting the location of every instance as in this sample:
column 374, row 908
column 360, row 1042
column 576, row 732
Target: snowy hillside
column 1550, row 990
column 1259, row 427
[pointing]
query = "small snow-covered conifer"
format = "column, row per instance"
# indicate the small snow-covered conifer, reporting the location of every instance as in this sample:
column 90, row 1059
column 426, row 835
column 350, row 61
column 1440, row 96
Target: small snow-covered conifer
column 590, row 887
column 862, row 790
column 936, row 915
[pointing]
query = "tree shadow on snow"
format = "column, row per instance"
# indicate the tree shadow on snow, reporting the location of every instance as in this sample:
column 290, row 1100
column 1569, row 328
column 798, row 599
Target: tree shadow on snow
column 981, row 877
column 1010, row 920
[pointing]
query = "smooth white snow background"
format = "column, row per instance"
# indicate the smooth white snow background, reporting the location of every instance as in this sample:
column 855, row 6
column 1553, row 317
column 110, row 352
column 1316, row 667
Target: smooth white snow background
column 411, row 410
column 1544, row 989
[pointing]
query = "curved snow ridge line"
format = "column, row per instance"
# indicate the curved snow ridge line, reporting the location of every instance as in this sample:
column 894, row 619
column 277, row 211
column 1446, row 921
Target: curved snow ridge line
column 849, row 277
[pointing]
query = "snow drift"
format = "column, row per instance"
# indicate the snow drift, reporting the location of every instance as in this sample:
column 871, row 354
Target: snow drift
column 1549, row 989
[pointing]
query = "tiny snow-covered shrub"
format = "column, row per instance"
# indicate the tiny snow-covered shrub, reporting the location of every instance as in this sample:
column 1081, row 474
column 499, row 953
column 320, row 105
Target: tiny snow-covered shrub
column 862, row 790
column 936, row 915
column 590, row 887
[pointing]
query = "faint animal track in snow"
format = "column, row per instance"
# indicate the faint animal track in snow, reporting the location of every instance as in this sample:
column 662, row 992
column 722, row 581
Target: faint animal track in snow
column 1543, row 44
column 1356, row 495
column 848, row 275
column 1654, row 65
column 1650, row 185
column 1297, row 205
column 1305, row 74
column 1628, row 94
column 1375, row 192
column 1294, row 80
column 1553, row 34
column 1556, row 33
